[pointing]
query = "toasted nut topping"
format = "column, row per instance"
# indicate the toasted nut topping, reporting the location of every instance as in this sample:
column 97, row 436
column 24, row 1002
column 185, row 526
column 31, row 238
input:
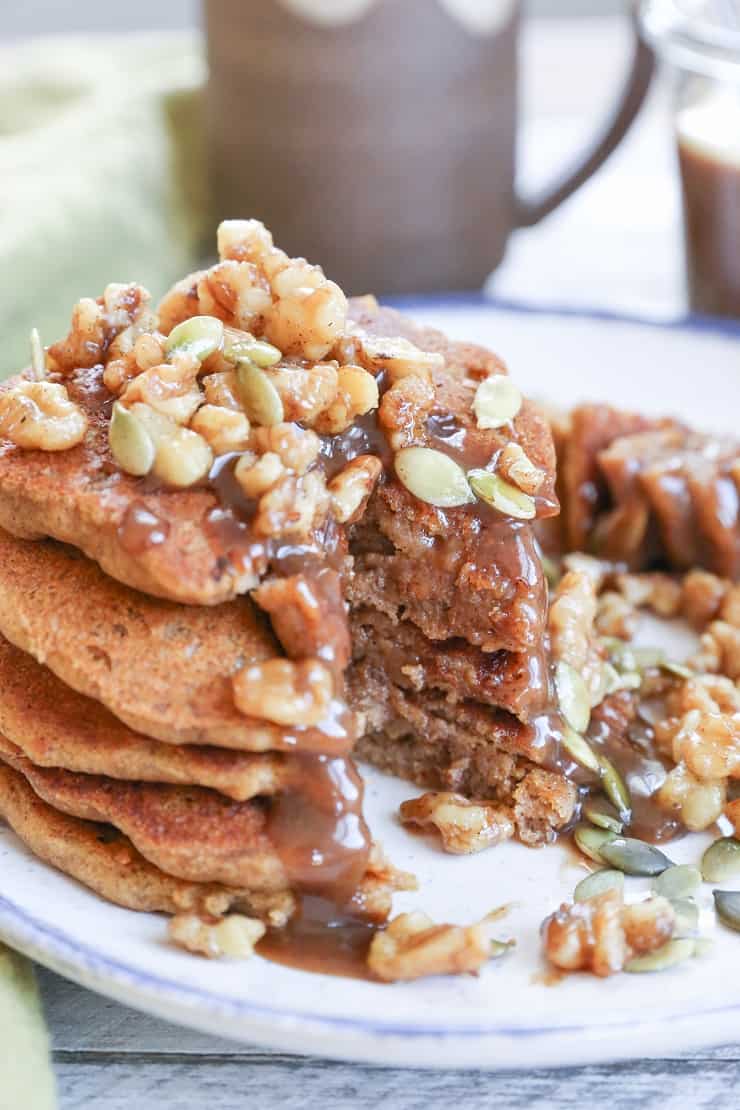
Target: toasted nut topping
column 433, row 477
column 399, row 357
column 404, row 409
column 223, row 429
column 305, row 391
column 580, row 749
column 518, row 469
column 357, row 394
column 465, row 826
column 171, row 388
column 285, row 692
column 351, row 488
column 233, row 937
column 571, row 619
column 497, row 401
column 500, row 495
column 183, row 458
column 258, row 395
column 40, row 416
column 698, row 804
column 131, row 445
column 38, row 356
column 199, row 337
column 221, row 389
column 412, row 947
column 240, row 346
column 257, row 475
column 296, row 447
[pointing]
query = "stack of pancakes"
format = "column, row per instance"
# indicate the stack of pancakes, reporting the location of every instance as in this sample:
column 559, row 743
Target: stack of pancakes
column 128, row 607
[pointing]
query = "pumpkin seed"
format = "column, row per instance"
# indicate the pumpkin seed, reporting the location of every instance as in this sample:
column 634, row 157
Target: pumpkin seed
column 676, row 669
column 245, row 347
column 433, row 477
column 131, row 445
column 580, row 749
column 501, row 495
column 497, row 401
column 687, row 916
column 721, row 860
column 615, row 788
column 198, row 336
column 499, row 948
column 681, row 881
column 38, row 357
column 591, row 841
column 601, row 812
column 598, row 882
column 573, row 696
column 627, row 658
column 670, row 954
column 634, row 857
column 261, row 401
column 727, row 905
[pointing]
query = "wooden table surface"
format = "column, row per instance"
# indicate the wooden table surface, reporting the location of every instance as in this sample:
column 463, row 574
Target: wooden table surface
column 616, row 244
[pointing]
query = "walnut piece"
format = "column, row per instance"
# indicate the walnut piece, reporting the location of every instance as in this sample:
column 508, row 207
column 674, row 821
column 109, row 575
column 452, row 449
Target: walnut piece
column 412, row 947
column 39, row 416
column 516, row 467
column 351, row 488
column 233, row 937
column 284, row 691
column 465, row 826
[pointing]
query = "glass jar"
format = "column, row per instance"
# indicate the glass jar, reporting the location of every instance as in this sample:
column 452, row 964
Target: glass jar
column 701, row 41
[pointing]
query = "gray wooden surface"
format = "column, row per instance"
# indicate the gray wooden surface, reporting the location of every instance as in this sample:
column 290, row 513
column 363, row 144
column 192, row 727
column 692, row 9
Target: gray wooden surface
column 111, row 1058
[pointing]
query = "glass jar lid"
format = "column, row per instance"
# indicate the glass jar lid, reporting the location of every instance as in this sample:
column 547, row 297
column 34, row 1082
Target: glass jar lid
column 702, row 36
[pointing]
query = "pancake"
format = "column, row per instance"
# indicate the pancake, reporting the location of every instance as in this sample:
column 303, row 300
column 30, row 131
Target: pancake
column 190, row 832
column 104, row 860
column 163, row 669
column 56, row 727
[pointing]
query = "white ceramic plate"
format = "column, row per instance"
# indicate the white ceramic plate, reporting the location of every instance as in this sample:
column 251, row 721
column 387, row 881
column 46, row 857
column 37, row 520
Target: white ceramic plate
column 507, row 1017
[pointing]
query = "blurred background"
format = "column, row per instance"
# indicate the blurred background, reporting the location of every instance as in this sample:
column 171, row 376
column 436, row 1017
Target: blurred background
column 107, row 147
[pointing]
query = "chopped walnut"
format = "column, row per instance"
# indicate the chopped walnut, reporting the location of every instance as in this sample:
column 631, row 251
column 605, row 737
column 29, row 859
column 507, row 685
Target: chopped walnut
column 466, row 826
column 412, row 947
column 357, row 394
column 95, row 326
column 398, row 357
column 40, row 416
column 296, row 447
column 702, row 597
column 293, row 506
column 170, row 389
column 373, row 898
column 223, row 429
column 285, row 691
column 697, row 803
column 657, row 592
column 719, row 650
column 221, row 389
column 351, row 488
column 258, row 475
column 404, row 409
column 615, row 616
column 601, row 934
column 598, row 570
column 233, row 937
column 571, row 619
column 305, row 391
column 518, row 468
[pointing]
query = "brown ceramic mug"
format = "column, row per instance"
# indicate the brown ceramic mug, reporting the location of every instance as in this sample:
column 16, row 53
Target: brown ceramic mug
column 382, row 145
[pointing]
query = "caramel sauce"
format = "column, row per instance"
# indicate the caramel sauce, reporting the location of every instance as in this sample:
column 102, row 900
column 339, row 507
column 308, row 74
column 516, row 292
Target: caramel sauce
column 322, row 939
column 141, row 529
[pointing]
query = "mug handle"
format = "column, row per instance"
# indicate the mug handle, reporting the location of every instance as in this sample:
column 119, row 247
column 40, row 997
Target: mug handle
column 531, row 211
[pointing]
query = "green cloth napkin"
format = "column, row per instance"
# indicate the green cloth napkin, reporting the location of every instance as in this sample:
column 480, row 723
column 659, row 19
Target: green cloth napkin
column 26, row 1078
column 102, row 174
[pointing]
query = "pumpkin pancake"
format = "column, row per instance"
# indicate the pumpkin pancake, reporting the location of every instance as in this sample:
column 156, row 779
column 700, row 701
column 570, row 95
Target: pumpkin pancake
column 56, row 727
column 101, row 858
column 163, row 669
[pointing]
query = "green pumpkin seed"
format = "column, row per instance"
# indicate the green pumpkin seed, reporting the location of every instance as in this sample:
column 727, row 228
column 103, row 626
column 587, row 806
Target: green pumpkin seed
column 580, row 750
column 38, row 357
column 501, row 495
column 721, row 860
column 615, row 788
column 634, row 857
column 199, row 336
column 499, row 948
column 247, row 348
column 681, row 881
column 687, row 916
column 670, row 954
column 497, row 401
column 676, row 669
column 599, row 811
column 573, row 696
column 591, row 841
column 131, row 445
column 628, row 659
column 598, row 882
column 261, row 401
column 433, row 477
column 727, row 905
